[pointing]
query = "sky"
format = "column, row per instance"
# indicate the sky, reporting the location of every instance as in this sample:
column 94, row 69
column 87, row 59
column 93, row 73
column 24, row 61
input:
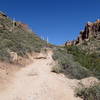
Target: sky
column 59, row 20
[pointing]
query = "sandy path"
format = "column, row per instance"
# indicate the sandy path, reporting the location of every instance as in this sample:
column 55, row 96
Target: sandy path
column 37, row 82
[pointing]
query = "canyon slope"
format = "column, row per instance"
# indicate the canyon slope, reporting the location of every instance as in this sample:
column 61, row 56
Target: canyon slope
column 33, row 69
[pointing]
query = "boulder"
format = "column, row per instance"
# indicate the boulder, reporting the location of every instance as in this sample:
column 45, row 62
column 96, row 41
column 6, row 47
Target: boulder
column 13, row 56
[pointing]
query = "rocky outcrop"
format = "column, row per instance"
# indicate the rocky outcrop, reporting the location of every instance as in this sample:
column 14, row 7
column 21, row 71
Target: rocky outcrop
column 23, row 26
column 92, row 30
column 13, row 24
column 2, row 15
column 13, row 57
column 70, row 43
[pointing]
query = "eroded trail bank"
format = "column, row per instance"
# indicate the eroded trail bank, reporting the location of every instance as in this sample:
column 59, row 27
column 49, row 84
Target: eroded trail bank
column 37, row 82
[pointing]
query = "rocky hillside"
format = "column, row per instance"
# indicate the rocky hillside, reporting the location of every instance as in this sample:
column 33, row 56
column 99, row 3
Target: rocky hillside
column 17, row 38
column 78, row 59
column 81, row 58
column 86, row 49
column 91, row 31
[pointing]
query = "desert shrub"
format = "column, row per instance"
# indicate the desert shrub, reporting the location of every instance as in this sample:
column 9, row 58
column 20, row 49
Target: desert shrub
column 56, row 69
column 91, row 93
column 90, row 61
column 67, row 65
column 85, row 43
column 4, row 55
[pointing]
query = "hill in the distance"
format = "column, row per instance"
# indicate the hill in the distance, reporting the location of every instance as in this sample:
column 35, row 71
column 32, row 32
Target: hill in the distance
column 89, row 38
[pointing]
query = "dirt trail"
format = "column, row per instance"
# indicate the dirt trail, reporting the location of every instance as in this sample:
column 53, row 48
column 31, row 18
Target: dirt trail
column 37, row 82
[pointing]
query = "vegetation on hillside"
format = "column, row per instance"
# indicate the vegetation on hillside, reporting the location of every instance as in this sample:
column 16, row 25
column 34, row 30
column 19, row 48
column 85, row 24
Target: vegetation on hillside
column 90, row 61
column 67, row 65
column 17, row 40
column 76, row 62
column 73, row 61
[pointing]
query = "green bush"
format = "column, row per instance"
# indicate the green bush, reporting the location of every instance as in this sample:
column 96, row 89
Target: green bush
column 67, row 65
column 90, row 61
column 4, row 55
column 91, row 93
column 56, row 69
